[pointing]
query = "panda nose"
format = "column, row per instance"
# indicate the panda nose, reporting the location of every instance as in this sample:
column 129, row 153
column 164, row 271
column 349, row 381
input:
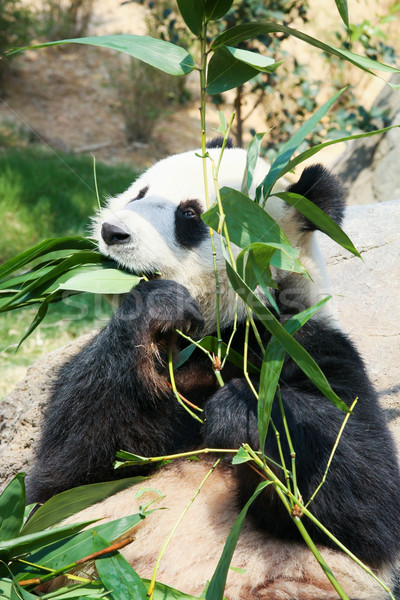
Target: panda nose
column 112, row 235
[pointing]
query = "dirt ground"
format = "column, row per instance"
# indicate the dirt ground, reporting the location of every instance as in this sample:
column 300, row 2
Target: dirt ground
column 63, row 97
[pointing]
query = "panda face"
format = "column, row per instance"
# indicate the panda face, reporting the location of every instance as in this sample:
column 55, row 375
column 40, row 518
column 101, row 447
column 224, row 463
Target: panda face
column 155, row 227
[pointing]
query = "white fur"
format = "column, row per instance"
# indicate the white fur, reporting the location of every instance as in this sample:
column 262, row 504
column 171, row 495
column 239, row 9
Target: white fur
column 153, row 247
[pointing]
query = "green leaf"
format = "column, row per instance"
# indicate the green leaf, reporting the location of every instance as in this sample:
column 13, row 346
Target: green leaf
column 271, row 368
column 262, row 63
column 320, row 219
column 215, row 590
column 184, row 355
column 117, row 575
column 215, row 9
column 67, row 551
column 227, row 69
column 38, row 318
column 12, row 508
column 93, row 590
column 253, row 151
column 311, row 151
column 281, row 161
column 68, row 503
column 193, row 13
column 101, row 281
column 259, row 257
column 248, row 223
column 241, row 456
column 306, row 363
column 162, row 55
column 238, row 34
column 49, row 245
column 165, row 592
column 130, row 459
column 18, row 592
column 46, row 279
column 29, row 543
column 343, row 11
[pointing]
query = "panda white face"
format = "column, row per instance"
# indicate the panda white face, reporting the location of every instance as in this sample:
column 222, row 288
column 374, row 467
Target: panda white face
column 156, row 227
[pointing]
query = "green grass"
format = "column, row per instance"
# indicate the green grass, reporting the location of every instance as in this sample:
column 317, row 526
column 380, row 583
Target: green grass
column 44, row 196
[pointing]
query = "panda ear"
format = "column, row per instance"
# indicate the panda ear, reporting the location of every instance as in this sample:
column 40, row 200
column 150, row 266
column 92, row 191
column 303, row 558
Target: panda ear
column 324, row 189
column 217, row 142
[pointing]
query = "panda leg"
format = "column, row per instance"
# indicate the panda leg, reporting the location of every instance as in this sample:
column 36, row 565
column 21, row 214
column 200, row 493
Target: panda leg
column 358, row 502
column 113, row 394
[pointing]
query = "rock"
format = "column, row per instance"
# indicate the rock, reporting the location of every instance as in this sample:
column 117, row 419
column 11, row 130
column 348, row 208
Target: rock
column 21, row 410
column 370, row 167
column 365, row 295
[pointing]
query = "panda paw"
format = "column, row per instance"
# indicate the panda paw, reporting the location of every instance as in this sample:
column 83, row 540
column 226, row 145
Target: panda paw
column 231, row 417
column 162, row 306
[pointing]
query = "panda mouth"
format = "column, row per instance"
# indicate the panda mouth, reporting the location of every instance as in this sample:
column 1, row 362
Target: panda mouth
column 151, row 276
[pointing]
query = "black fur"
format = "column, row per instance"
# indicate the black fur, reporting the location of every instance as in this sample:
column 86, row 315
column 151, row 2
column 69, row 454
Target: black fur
column 190, row 230
column 324, row 189
column 358, row 502
column 114, row 395
column 218, row 141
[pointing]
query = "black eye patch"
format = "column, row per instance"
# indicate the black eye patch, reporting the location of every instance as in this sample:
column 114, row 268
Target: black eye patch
column 190, row 230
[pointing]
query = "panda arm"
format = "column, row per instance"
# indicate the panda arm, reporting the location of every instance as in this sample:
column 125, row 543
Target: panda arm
column 113, row 394
column 358, row 501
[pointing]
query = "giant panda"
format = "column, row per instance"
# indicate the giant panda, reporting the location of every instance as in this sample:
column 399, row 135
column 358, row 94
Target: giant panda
column 115, row 394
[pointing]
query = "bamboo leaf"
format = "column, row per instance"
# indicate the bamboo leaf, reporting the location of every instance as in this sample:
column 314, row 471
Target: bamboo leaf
column 49, row 245
column 38, row 318
column 12, row 508
column 215, row 590
column 101, row 281
column 165, row 592
column 116, row 573
column 46, row 279
column 303, row 359
column 241, row 456
column 343, row 11
column 291, row 145
column 215, row 9
column 271, row 368
column 311, row 151
column 67, row 551
column 320, row 219
column 238, row 34
column 252, row 154
column 227, row 70
column 248, row 224
column 68, row 503
column 193, row 13
column 160, row 54
column 29, row 543
column 262, row 63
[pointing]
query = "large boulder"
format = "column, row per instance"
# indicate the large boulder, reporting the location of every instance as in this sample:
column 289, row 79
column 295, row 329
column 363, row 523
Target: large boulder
column 370, row 167
column 365, row 293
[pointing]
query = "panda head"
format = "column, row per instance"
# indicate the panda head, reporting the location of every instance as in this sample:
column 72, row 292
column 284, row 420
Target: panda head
column 155, row 227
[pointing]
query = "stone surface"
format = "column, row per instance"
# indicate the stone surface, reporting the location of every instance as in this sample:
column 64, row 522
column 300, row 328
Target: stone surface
column 21, row 410
column 369, row 167
column 366, row 298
